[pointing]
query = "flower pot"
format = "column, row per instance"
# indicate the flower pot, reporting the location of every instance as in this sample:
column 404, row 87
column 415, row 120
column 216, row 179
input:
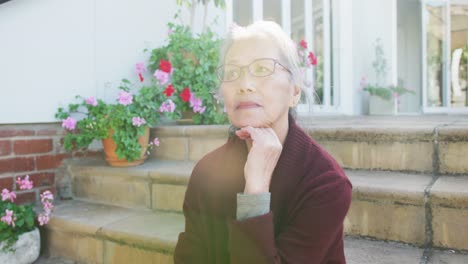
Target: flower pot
column 187, row 118
column 111, row 156
column 379, row 106
column 27, row 249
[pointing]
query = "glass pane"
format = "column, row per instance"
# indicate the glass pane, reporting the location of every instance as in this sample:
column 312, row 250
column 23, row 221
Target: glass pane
column 459, row 53
column 242, row 12
column 272, row 10
column 318, row 48
column 435, row 36
column 297, row 20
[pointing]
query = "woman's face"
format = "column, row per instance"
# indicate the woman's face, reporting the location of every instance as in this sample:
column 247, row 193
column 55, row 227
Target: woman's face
column 258, row 101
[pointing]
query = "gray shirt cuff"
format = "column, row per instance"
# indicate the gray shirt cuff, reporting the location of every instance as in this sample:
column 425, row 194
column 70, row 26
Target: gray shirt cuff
column 251, row 205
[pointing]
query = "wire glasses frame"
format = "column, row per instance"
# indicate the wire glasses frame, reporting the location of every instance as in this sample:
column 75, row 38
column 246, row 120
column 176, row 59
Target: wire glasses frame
column 262, row 67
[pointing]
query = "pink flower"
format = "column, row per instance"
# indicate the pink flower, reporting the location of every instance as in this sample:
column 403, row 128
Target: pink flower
column 396, row 95
column 156, row 141
column 69, row 123
column 7, row 195
column 138, row 121
column 48, row 206
column 167, row 106
column 140, row 70
column 24, row 184
column 303, row 44
column 162, row 77
column 196, row 104
column 312, row 58
column 47, row 195
column 9, row 219
column 43, row 219
column 125, row 98
column 91, row 101
column 363, row 82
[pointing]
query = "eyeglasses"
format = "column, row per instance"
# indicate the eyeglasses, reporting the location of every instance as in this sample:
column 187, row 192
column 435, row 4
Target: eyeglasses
column 258, row 68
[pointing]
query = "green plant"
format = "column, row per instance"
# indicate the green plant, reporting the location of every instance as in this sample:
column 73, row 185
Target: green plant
column 92, row 119
column 194, row 59
column 386, row 92
column 18, row 219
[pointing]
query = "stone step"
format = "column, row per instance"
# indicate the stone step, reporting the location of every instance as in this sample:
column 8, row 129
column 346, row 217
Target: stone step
column 428, row 212
column 417, row 144
column 156, row 184
column 84, row 232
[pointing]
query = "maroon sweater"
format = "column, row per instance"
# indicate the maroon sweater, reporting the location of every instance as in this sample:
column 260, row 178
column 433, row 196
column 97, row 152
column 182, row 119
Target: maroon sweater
column 310, row 196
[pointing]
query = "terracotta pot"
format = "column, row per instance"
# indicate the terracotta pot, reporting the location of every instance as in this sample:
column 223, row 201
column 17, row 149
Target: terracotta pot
column 111, row 156
column 26, row 249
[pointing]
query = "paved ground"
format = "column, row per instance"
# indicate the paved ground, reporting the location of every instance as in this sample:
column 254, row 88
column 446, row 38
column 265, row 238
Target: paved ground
column 364, row 251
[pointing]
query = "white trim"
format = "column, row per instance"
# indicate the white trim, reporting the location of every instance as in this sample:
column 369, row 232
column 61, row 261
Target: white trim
column 448, row 110
column 229, row 14
column 424, row 54
column 257, row 7
column 345, row 91
column 394, row 43
column 286, row 16
column 326, row 52
column 447, row 91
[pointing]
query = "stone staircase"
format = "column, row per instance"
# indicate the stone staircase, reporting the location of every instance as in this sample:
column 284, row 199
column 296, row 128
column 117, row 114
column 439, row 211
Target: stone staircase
column 410, row 178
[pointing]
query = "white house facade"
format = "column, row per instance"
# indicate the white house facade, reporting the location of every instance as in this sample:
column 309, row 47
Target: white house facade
column 51, row 50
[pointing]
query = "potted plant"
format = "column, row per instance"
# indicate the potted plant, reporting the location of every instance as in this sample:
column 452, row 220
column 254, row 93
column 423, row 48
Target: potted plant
column 123, row 125
column 19, row 235
column 194, row 59
column 383, row 99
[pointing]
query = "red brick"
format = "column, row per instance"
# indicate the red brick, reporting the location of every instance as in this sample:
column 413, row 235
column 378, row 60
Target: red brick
column 47, row 162
column 17, row 164
column 25, row 197
column 6, row 183
column 5, row 147
column 32, row 146
column 11, row 132
column 41, row 179
column 50, row 132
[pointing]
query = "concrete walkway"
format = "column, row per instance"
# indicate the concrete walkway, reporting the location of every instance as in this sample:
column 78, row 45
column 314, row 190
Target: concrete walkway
column 364, row 251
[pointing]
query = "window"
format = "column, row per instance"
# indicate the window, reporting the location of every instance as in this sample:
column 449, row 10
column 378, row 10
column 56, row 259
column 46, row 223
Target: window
column 311, row 20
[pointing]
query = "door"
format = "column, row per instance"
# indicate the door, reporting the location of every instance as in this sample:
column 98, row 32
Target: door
column 445, row 56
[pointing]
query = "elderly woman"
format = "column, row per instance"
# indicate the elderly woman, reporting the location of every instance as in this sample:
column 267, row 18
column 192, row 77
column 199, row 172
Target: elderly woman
column 270, row 194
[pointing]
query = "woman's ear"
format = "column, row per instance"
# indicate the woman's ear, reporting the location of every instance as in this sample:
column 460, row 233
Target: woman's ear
column 296, row 96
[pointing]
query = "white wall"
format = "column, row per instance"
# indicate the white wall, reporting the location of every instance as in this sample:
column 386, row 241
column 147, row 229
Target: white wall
column 371, row 20
column 52, row 50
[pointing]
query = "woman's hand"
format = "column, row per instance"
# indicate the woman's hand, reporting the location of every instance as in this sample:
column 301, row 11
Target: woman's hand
column 261, row 161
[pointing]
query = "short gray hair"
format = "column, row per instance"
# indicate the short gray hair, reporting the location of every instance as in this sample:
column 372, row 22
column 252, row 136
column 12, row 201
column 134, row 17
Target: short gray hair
column 273, row 31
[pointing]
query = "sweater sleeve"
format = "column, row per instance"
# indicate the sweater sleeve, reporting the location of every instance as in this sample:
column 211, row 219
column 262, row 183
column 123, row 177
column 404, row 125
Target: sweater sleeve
column 314, row 227
column 250, row 205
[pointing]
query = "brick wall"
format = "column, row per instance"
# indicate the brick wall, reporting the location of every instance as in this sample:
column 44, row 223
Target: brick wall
column 34, row 150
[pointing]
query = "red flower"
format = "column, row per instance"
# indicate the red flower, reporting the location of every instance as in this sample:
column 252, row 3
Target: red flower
column 141, row 77
column 165, row 66
column 303, row 44
column 185, row 94
column 312, row 58
column 169, row 90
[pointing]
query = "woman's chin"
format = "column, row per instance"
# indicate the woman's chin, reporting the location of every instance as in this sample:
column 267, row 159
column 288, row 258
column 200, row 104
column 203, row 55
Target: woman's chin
column 244, row 122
